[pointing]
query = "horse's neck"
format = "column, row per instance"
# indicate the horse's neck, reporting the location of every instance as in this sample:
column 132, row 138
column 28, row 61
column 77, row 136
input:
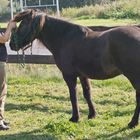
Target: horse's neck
column 55, row 31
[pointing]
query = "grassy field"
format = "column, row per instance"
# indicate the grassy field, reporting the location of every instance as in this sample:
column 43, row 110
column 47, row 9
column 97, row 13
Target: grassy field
column 108, row 22
column 38, row 105
column 98, row 22
column 38, row 108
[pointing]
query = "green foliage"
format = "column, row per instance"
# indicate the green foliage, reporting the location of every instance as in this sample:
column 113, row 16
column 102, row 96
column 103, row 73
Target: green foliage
column 3, row 5
column 115, row 9
column 85, row 9
column 4, row 9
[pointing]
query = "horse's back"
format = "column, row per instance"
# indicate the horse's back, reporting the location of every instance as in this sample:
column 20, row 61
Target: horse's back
column 126, row 31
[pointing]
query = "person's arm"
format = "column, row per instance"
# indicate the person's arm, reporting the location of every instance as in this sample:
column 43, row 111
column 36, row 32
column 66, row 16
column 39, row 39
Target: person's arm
column 4, row 37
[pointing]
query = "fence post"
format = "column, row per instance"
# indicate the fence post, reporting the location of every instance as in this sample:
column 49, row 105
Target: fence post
column 57, row 6
column 21, row 5
column 11, row 4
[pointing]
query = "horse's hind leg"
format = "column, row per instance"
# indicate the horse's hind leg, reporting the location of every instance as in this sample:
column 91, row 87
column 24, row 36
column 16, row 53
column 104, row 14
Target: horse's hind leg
column 71, row 81
column 135, row 118
column 87, row 95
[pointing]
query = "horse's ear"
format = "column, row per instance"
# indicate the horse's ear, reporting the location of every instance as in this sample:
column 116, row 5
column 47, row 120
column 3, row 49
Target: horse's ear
column 26, row 14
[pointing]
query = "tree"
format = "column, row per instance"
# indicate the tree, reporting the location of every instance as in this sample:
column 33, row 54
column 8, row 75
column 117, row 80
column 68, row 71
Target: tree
column 4, row 4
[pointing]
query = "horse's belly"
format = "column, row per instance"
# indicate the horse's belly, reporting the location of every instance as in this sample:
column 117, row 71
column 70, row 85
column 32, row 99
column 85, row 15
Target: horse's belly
column 98, row 72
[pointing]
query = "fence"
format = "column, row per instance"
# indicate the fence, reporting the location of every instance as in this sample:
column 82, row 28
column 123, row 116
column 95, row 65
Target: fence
column 31, row 59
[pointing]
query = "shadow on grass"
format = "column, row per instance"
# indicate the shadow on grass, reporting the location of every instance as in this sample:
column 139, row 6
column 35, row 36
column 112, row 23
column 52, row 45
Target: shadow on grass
column 29, row 136
column 33, row 107
column 39, row 106
column 111, row 135
column 107, row 114
column 134, row 134
column 45, row 96
column 60, row 98
column 24, row 107
column 119, row 113
column 109, row 101
column 121, row 134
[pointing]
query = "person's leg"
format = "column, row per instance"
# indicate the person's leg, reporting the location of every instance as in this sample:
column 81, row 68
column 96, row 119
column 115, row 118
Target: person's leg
column 3, row 93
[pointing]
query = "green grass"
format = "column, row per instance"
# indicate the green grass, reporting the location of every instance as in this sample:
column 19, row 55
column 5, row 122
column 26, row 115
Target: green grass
column 97, row 22
column 38, row 108
column 106, row 22
column 3, row 25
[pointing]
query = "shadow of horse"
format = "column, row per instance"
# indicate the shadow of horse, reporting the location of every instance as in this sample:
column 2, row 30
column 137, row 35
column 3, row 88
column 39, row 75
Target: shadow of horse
column 24, row 107
column 29, row 136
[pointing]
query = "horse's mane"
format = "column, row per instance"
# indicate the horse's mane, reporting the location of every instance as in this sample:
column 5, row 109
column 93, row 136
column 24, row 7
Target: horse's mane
column 64, row 27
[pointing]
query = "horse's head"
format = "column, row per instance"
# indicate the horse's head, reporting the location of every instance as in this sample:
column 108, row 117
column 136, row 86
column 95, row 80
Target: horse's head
column 31, row 24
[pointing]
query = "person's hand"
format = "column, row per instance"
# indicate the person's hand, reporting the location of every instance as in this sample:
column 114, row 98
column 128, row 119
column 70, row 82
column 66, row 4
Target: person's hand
column 12, row 24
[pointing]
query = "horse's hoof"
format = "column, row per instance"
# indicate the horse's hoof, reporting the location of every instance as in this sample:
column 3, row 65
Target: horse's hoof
column 132, row 124
column 73, row 119
column 92, row 115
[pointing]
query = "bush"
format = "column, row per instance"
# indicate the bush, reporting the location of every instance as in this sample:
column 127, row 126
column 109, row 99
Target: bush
column 116, row 9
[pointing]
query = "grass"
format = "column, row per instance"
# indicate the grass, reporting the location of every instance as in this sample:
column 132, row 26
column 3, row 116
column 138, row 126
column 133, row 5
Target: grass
column 38, row 105
column 97, row 22
column 3, row 25
column 106, row 22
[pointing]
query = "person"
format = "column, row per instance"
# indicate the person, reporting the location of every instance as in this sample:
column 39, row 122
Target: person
column 4, row 37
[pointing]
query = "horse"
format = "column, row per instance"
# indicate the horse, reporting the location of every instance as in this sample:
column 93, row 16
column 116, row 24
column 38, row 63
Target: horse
column 80, row 52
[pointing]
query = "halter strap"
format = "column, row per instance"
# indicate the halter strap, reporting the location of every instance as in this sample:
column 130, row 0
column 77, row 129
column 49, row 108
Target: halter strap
column 38, row 23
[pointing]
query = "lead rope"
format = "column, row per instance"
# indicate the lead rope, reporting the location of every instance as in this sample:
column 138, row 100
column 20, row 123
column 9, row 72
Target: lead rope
column 23, row 59
column 22, row 62
column 31, row 49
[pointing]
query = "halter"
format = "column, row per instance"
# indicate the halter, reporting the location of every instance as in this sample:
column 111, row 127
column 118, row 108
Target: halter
column 19, row 60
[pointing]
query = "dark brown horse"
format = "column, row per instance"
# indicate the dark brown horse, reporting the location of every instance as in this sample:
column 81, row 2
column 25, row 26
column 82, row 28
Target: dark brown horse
column 81, row 52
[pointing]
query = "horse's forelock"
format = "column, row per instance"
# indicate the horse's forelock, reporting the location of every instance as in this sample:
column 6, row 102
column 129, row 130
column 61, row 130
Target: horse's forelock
column 22, row 15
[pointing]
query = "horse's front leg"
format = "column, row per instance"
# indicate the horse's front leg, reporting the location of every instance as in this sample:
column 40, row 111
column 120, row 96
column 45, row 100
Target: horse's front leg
column 71, row 81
